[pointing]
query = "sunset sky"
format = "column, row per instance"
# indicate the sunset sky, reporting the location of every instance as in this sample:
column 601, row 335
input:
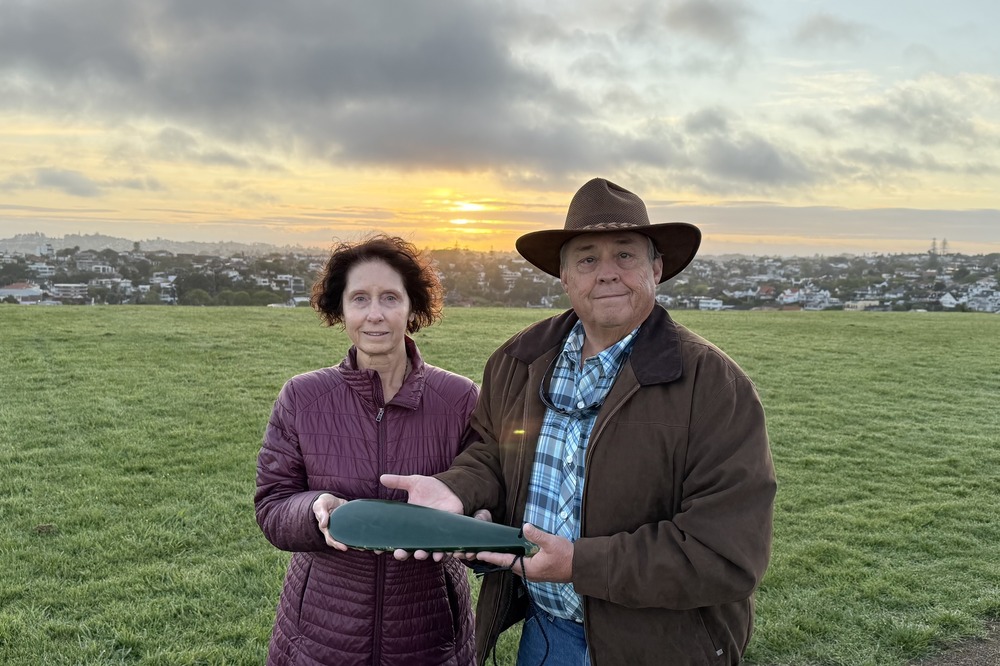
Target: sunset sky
column 780, row 127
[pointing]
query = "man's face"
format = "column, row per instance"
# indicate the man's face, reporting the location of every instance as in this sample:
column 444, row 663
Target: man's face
column 610, row 280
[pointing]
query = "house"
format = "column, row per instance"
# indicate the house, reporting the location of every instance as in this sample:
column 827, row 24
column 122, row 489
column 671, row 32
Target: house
column 42, row 269
column 710, row 304
column 22, row 292
column 948, row 301
column 69, row 291
column 862, row 305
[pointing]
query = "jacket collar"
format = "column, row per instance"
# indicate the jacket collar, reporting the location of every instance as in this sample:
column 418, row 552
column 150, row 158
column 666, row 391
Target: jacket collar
column 656, row 352
column 363, row 381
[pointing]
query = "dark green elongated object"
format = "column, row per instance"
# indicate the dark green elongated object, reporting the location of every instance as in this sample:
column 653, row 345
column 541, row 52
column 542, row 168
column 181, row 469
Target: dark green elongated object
column 386, row 525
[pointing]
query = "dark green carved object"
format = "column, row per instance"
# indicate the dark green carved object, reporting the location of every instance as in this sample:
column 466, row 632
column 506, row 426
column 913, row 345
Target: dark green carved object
column 386, row 525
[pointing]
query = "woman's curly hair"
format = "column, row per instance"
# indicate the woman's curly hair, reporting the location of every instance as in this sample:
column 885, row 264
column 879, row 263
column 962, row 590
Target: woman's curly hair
column 420, row 280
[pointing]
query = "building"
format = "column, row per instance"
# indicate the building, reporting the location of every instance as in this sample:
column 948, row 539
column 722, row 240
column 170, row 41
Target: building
column 69, row 291
column 22, row 292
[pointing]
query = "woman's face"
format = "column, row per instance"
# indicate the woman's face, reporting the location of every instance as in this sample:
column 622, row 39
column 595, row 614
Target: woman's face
column 376, row 310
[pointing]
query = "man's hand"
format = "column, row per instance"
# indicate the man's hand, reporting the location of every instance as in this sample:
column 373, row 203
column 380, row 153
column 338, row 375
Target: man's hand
column 425, row 491
column 322, row 508
column 553, row 563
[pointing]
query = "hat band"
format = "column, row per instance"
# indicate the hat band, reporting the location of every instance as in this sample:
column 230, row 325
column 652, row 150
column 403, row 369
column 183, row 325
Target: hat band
column 610, row 225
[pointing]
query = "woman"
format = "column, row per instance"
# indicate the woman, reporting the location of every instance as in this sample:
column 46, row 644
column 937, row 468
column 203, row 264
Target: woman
column 332, row 433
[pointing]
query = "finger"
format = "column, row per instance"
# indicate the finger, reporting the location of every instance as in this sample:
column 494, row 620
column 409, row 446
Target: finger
column 536, row 535
column 395, row 481
column 499, row 559
column 401, row 554
column 483, row 514
column 420, row 554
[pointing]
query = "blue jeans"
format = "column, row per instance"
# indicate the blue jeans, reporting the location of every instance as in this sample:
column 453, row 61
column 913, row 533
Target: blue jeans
column 551, row 641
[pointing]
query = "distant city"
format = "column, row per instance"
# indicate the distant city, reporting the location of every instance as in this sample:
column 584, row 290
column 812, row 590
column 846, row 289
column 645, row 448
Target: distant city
column 104, row 270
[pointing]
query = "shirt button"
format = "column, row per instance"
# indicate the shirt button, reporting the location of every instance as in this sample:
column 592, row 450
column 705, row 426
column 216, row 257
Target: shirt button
column 581, row 404
column 569, row 458
column 564, row 515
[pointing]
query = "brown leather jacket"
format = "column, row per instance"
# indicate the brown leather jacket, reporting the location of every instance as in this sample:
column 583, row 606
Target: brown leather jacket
column 677, row 502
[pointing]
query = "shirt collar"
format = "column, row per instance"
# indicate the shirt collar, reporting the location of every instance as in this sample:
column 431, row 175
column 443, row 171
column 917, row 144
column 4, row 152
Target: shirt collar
column 610, row 358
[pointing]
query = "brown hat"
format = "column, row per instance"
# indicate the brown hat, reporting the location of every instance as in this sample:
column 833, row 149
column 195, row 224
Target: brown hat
column 602, row 206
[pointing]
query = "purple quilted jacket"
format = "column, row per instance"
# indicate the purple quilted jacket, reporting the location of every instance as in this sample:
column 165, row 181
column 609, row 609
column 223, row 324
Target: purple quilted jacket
column 330, row 431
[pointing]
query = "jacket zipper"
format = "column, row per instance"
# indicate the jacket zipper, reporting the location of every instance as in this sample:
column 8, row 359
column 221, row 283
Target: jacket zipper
column 380, row 559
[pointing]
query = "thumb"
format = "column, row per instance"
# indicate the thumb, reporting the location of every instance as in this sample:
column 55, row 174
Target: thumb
column 535, row 534
column 396, row 481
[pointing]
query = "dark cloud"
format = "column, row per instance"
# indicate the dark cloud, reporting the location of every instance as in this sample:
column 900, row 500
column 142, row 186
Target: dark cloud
column 919, row 114
column 706, row 121
column 754, row 161
column 74, row 183
column 826, row 30
column 418, row 83
column 720, row 22
column 70, row 182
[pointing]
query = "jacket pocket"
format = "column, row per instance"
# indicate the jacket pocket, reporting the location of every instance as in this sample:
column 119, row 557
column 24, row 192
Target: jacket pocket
column 303, row 590
column 716, row 652
column 454, row 604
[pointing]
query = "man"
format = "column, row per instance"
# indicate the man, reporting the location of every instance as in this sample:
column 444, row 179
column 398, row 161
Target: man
column 633, row 451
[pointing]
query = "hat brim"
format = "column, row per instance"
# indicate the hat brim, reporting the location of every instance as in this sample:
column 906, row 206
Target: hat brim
column 678, row 242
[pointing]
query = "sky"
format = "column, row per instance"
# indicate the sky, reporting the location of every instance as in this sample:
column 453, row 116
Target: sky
column 781, row 127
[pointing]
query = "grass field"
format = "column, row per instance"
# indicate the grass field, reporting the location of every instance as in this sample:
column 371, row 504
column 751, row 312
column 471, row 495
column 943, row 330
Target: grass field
column 128, row 438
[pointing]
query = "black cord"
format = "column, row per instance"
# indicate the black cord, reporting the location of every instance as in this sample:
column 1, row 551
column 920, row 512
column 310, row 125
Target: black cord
column 485, row 568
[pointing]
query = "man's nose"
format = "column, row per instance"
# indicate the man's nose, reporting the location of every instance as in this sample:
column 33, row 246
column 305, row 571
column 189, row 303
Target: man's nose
column 607, row 271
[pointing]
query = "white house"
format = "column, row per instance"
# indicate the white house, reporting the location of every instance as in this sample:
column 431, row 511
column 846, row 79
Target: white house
column 947, row 301
column 710, row 304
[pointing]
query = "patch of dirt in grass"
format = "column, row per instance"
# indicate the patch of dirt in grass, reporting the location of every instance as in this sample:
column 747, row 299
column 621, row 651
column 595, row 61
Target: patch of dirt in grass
column 975, row 652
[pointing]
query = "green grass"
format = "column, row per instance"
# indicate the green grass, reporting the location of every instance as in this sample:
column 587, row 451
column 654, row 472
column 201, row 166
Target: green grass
column 128, row 439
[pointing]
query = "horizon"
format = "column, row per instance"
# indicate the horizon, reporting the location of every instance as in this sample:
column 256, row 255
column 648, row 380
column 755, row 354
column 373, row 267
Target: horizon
column 941, row 247
column 782, row 129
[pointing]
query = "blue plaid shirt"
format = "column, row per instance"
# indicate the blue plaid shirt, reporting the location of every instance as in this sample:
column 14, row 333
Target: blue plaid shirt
column 574, row 396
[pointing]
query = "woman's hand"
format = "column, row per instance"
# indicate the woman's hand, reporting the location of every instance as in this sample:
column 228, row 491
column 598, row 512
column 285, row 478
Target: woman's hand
column 323, row 507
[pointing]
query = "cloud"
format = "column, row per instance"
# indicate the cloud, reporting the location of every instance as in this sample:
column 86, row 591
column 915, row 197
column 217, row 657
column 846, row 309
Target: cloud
column 922, row 114
column 708, row 120
column 531, row 96
column 753, row 160
column 826, row 30
column 719, row 22
column 67, row 181
column 326, row 80
column 902, row 160
column 74, row 183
